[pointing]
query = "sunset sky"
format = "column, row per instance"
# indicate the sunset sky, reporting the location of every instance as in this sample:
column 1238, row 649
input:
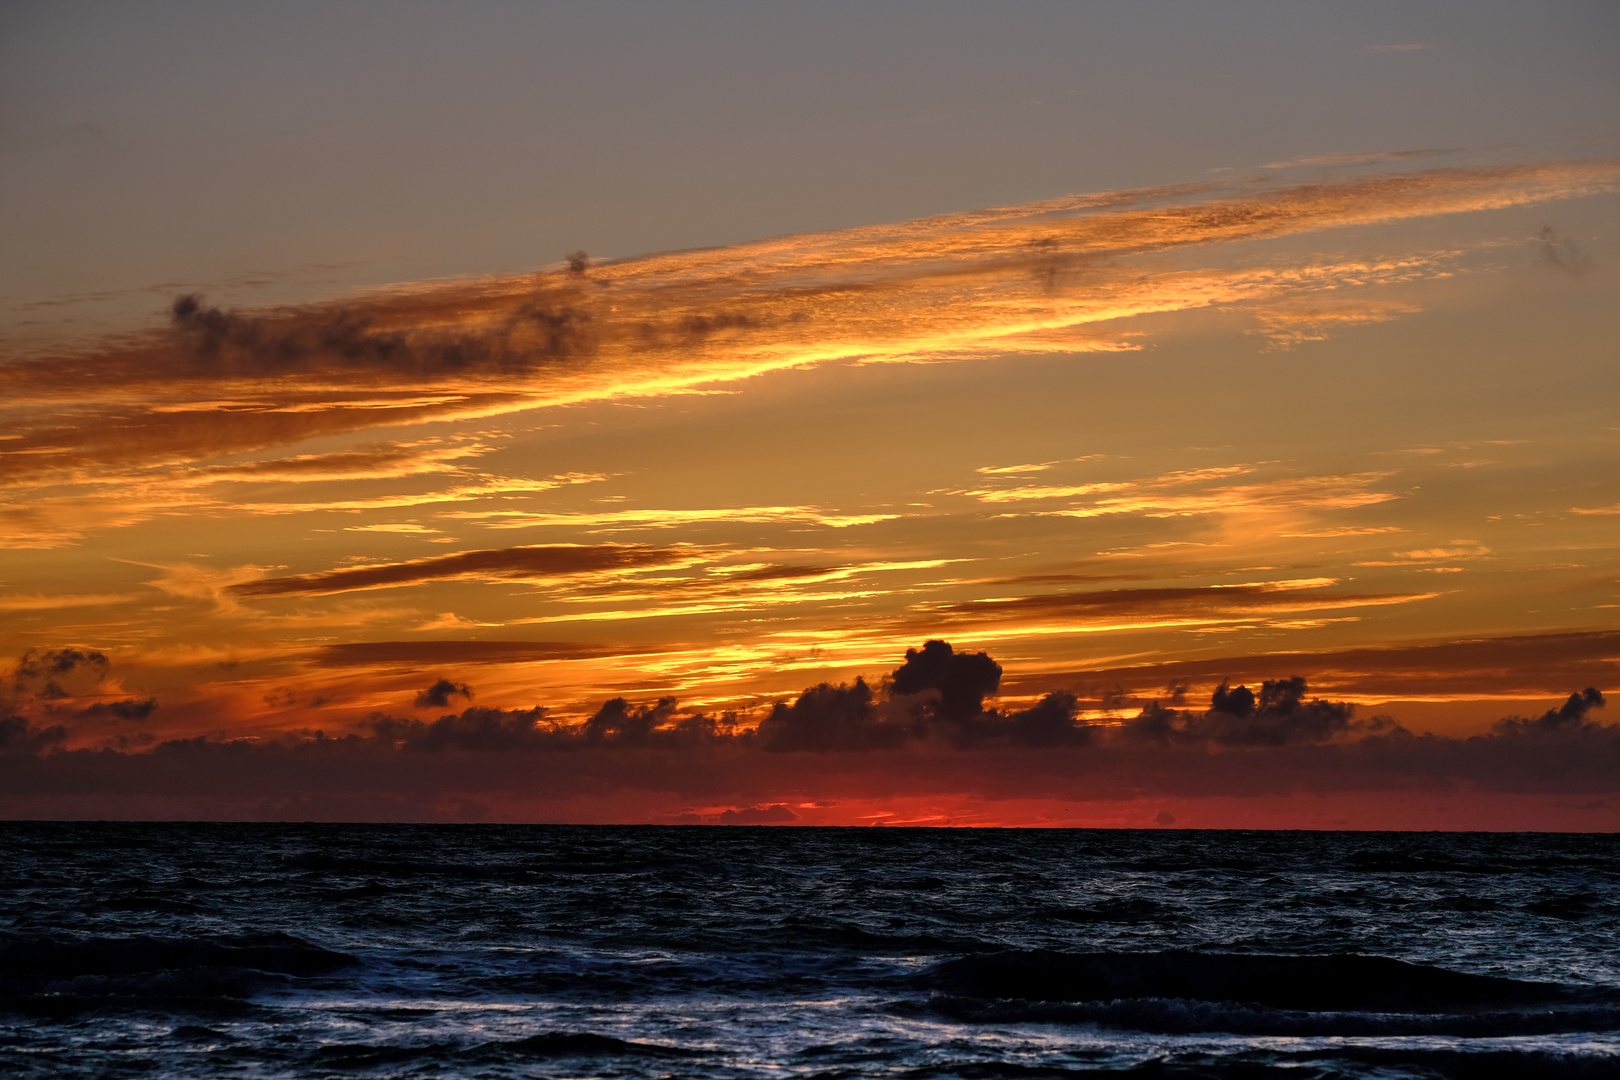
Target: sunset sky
column 386, row 387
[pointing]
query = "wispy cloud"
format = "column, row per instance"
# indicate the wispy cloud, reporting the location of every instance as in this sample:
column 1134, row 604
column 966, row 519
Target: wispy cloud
column 608, row 520
column 512, row 564
column 86, row 424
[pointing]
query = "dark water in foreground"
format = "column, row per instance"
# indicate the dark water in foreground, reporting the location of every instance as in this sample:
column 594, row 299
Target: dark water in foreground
column 507, row 951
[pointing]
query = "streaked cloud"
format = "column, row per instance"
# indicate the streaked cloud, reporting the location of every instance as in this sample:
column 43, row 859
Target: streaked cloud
column 513, row 564
column 955, row 285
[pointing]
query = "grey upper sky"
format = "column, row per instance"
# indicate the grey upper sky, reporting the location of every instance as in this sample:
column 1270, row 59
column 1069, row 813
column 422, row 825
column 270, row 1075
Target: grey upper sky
column 281, row 151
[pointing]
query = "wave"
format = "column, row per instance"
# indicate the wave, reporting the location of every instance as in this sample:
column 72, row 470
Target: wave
column 1183, row 991
column 544, row 1046
column 54, row 974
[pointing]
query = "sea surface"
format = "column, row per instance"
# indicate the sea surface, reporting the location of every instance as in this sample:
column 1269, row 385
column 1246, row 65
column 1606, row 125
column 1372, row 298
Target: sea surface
column 213, row 950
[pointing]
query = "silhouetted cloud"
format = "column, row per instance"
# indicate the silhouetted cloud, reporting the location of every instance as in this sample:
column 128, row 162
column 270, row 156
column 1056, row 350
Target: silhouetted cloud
column 827, row 718
column 962, row 680
column 1533, row 665
column 474, row 730
column 776, row 814
column 621, row 720
column 439, row 694
column 1050, row 722
column 1275, row 741
column 128, row 709
column 1281, row 716
column 58, row 673
column 1186, row 603
column 518, row 563
column 546, row 328
column 1570, row 717
column 19, row 738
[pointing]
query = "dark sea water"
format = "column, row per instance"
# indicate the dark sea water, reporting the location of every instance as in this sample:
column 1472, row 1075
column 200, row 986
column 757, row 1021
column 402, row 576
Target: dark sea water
column 550, row 951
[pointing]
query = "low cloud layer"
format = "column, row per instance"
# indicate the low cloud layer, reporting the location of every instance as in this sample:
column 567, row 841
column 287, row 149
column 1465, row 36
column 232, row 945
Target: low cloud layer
column 926, row 728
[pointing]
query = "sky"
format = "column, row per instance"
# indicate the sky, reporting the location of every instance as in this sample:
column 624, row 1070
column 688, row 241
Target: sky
column 1129, row 415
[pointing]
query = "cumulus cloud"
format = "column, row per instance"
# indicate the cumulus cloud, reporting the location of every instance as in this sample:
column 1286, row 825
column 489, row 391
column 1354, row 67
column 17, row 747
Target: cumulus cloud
column 473, row 730
column 846, row 741
column 827, row 717
column 1568, row 718
column 52, row 674
column 1236, row 717
column 962, row 680
column 439, row 694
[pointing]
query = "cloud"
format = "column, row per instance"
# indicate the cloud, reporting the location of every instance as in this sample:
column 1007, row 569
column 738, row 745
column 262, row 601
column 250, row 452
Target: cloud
column 775, row 814
column 473, row 731
column 1189, row 605
column 618, row 719
column 666, row 519
column 439, row 694
column 1568, row 718
column 52, row 674
column 1562, row 252
column 95, row 427
column 1280, row 716
column 1289, row 324
column 417, row 654
column 827, row 718
column 128, row 709
column 375, row 462
column 56, row 603
column 540, row 562
column 962, row 680
column 1365, row 158
column 19, row 738
column 1278, row 741
column 1193, row 492
column 1522, row 666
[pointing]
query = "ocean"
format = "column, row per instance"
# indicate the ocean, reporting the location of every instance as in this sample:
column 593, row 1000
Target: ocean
column 301, row 950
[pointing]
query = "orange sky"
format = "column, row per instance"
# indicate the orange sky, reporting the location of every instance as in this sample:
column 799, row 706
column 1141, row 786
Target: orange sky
column 1130, row 445
column 1352, row 417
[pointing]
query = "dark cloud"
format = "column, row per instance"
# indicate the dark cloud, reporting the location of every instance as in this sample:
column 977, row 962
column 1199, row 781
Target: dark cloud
column 619, row 719
column 962, row 680
column 19, row 738
column 850, row 742
column 1532, row 665
column 518, row 563
column 547, row 328
column 1050, row 722
column 1562, row 252
column 1281, row 717
column 58, row 673
column 1188, row 601
column 439, row 694
column 828, row 718
column 776, row 814
column 474, row 730
column 1568, row 718
column 128, row 709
